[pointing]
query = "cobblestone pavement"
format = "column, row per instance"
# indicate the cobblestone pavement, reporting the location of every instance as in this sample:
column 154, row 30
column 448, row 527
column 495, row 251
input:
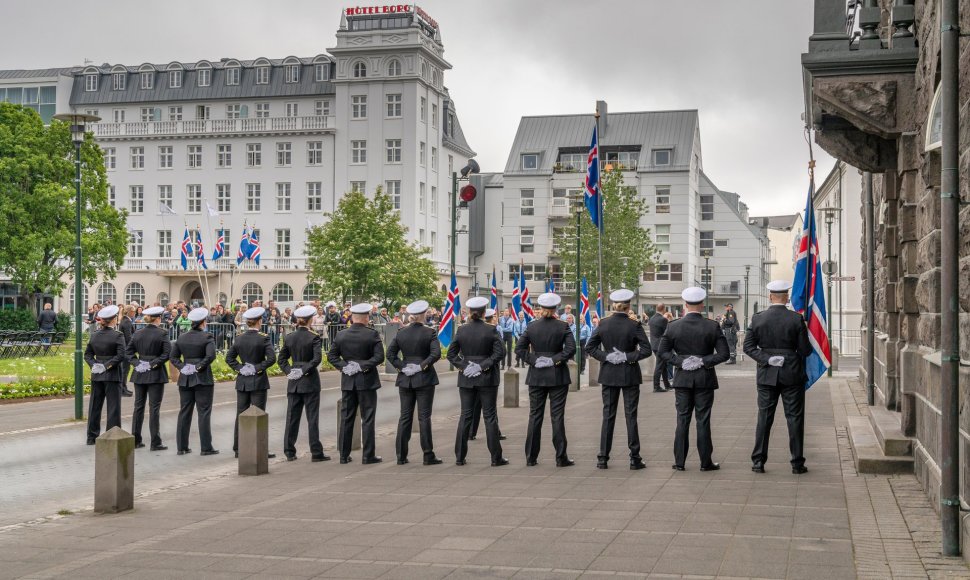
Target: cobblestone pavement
column 353, row 521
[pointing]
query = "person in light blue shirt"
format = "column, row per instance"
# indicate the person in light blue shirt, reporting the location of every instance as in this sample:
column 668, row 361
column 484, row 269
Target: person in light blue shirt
column 584, row 332
column 506, row 329
column 518, row 328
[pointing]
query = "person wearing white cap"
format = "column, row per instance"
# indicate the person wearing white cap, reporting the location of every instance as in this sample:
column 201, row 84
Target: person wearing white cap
column 250, row 355
column 778, row 342
column 193, row 355
column 546, row 346
column 619, row 343
column 105, row 354
column 356, row 353
column 300, row 359
column 476, row 350
column 147, row 355
column 477, row 406
column 127, row 328
column 416, row 379
column 694, row 345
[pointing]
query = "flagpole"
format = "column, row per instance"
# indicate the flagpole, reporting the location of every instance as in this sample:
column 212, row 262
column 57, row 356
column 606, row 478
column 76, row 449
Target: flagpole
column 218, row 271
column 208, row 225
column 599, row 201
column 198, row 270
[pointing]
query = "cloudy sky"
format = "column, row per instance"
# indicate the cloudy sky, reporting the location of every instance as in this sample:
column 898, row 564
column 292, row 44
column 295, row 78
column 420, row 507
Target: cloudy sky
column 736, row 62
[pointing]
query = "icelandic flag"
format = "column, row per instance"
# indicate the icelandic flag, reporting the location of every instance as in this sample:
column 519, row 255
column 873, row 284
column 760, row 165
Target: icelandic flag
column 808, row 294
column 516, row 298
column 599, row 304
column 550, row 285
column 243, row 246
column 452, row 307
column 220, row 250
column 592, row 193
column 584, row 304
column 493, row 298
column 253, row 245
column 527, row 312
column 199, row 251
column 186, row 249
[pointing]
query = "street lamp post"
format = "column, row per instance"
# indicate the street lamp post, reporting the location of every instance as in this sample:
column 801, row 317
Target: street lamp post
column 77, row 122
column 830, row 269
column 706, row 254
column 747, row 272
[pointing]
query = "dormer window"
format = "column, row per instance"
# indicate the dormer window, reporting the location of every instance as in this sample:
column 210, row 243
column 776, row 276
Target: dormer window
column 291, row 73
column 118, row 81
column 232, row 75
column 147, row 80
column 321, row 72
column 91, row 82
column 661, row 157
column 203, row 76
column 175, row 79
column 360, row 70
column 262, row 75
column 530, row 161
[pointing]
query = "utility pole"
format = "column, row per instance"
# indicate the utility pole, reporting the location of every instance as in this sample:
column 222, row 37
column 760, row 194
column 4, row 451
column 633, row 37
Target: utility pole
column 747, row 272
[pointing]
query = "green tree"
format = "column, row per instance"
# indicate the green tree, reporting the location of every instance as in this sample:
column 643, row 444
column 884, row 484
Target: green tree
column 361, row 252
column 623, row 236
column 37, row 212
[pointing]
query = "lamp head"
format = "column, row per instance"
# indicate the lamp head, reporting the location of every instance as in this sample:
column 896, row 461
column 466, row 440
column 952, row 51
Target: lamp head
column 472, row 167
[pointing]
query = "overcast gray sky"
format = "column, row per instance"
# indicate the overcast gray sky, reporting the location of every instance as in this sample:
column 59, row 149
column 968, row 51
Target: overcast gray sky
column 736, row 61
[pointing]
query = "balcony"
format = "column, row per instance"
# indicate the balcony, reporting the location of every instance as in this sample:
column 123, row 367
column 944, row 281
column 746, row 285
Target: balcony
column 605, row 165
column 173, row 266
column 254, row 126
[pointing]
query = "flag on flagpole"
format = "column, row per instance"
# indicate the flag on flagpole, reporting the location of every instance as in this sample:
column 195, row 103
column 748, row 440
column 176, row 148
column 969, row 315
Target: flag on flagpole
column 527, row 312
column 450, row 314
column 550, row 285
column 199, row 250
column 253, row 245
column 516, row 298
column 220, row 250
column 599, row 304
column 592, row 188
column 165, row 209
column 584, row 304
column 493, row 299
column 808, row 294
column 212, row 211
column 186, row 249
column 243, row 246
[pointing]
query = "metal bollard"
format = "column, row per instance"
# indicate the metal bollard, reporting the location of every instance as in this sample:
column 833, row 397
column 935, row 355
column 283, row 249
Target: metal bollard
column 253, row 441
column 114, row 472
column 510, row 388
column 593, row 370
column 573, row 375
column 355, row 444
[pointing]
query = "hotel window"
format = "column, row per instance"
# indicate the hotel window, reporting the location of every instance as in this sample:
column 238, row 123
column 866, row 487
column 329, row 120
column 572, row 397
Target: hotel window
column 118, row 81
column 203, row 76
column 262, row 75
column 164, row 243
column 253, row 197
column 421, row 237
column 663, row 199
column 165, row 197
column 434, row 201
column 394, row 191
column 530, row 161
column 283, row 197
column 292, row 109
column 434, row 158
column 223, row 198
column 359, row 186
column 194, row 198
column 165, row 157
column 135, row 244
column 314, row 196
column 112, row 197
column 434, row 116
column 424, row 109
column 262, row 110
column 707, row 207
column 91, row 82
column 224, row 155
column 434, row 240
column 194, row 157
column 706, row 240
column 661, row 156
column 358, row 152
column 527, row 202
column 665, row 273
column 137, row 157
column 291, row 73
column 202, row 112
column 422, row 197
column 314, row 152
column 110, row 158
column 393, row 106
column 175, row 113
column 423, row 153
column 136, row 201
column 118, row 115
column 321, row 108
column 661, row 237
column 233, row 111
column 527, row 239
column 360, row 70
column 358, row 107
column 147, row 80
column 394, row 68
column 321, row 72
column 174, row 79
column 283, row 243
column 147, row 114
column 393, row 150
column 232, row 75
column 254, row 154
column 284, row 154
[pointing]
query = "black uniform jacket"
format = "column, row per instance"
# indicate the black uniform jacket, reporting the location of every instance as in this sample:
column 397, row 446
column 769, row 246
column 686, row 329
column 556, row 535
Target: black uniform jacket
column 778, row 331
column 627, row 336
column 195, row 347
column 106, row 346
column 478, row 342
column 418, row 344
column 658, row 325
column 694, row 335
column 255, row 348
column 302, row 349
column 363, row 344
column 730, row 321
column 152, row 345
column 547, row 337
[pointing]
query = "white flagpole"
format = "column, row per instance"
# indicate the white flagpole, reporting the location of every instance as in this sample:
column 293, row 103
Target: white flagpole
column 599, row 202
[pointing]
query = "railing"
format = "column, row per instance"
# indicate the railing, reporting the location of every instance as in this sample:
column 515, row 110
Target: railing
column 226, row 264
column 213, row 126
column 559, row 208
column 581, row 167
column 849, row 342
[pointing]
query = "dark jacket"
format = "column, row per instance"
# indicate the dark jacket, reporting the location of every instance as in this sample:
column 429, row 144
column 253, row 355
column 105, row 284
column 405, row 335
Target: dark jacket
column 778, row 331
column 729, row 323
column 106, row 346
column 477, row 342
column 694, row 335
column 547, row 337
column 418, row 344
column 152, row 345
column 628, row 337
column 362, row 344
column 255, row 348
column 195, row 347
column 47, row 320
column 127, row 328
column 302, row 349
column 658, row 325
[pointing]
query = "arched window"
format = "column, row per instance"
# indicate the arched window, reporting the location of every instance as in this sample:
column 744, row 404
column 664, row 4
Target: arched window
column 135, row 292
column 251, row 292
column 282, row 292
column 91, row 77
column 106, row 292
column 311, row 292
column 203, row 74
column 394, row 68
column 262, row 71
column 163, row 299
column 84, row 298
column 360, row 70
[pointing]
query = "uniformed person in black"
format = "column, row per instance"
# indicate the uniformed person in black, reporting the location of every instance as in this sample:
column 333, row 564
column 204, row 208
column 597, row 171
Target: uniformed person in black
column 193, row 355
column 147, row 355
column 250, row 355
column 300, row 358
column 730, row 327
column 658, row 325
column 477, row 406
column 624, row 344
column 356, row 352
column 694, row 345
column 778, row 342
column 127, row 328
column 105, row 354
column 416, row 379
column 476, row 350
column 547, row 345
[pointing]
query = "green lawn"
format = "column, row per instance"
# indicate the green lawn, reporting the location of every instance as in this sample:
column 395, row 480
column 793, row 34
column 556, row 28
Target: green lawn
column 59, row 366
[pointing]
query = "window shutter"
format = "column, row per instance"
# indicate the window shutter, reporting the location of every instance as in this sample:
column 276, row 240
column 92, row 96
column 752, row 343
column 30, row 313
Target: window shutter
column 157, row 114
column 244, row 111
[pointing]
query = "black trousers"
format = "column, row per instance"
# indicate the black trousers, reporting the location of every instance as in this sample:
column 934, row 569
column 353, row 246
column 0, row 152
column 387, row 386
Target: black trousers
column 153, row 392
column 631, row 402
column 101, row 391
column 698, row 402
column 125, row 373
column 508, row 340
column 296, row 405
column 190, row 398
column 245, row 399
column 660, row 372
column 366, row 401
column 424, row 399
column 477, row 419
column 487, row 397
column 793, row 399
column 732, row 339
column 557, row 414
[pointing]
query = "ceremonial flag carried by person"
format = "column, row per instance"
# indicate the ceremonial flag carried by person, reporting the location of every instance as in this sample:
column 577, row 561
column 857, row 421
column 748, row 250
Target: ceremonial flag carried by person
column 550, row 285
column 199, row 251
column 493, row 298
column 516, row 298
column 186, row 249
column 527, row 310
column 243, row 246
column 450, row 314
column 808, row 294
column 220, row 250
column 592, row 189
column 253, row 245
column 599, row 304
column 584, row 304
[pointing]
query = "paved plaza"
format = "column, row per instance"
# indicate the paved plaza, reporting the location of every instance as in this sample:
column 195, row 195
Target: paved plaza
column 327, row 520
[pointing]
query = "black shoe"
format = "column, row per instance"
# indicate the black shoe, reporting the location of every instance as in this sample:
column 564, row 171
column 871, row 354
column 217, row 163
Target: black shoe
column 319, row 458
column 501, row 437
column 531, row 462
column 433, row 461
column 210, row 452
column 602, row 465
column 731, row 362
column 270, row 456
column 291, row 457
column 637, row 463
column 235, row 454
column 375, row 459
column 711, row 467
column 659, row 390
column 158, row 448
column 91, row 441
column 799, row 470
column 139, row 445
column 565, row 463
column 678, row 467
column 403, row 461
column 500, row 462
column 472, row 437
column 758, row 468
column 184, row 451
column 460, row 462
column 126, row 393
column 345, row 460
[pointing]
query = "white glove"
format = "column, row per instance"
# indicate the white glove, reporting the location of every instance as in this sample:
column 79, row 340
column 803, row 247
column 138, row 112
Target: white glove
column 188, row 369
column 247, row 370
column 97, row 369
column 616, row 357
column 472, row 370
column 294, row 374
column 143, row 367
column 411, row 369
column 692, row 363
column 543, row 362
column 351, row 369
column 776, row 361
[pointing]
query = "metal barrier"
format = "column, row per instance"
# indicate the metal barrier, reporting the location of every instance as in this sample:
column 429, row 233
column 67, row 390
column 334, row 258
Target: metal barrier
column 849, row 342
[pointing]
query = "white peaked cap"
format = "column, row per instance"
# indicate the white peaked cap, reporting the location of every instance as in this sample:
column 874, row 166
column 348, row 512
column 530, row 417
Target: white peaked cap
column 621, row 295
column 304, row 312
column 477, row 302
column 362, row 308
column 198, row 314
column 489, row 312
column 693, row 295
column 108, row 312
column 153, row 311
column 549, row 300
column 417, row 307
column 253, row 313
column 329, row 304
column 779, row 286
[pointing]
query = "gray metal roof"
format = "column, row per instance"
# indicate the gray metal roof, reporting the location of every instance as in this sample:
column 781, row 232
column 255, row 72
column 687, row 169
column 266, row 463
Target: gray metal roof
column 733, row 200
column 776, row 222
column 34, row 74
column 650, row 130
column 457, row 140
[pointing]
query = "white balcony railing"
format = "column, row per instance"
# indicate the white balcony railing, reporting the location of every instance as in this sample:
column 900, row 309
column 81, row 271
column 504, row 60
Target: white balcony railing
column 213, row 127
column 223, row 265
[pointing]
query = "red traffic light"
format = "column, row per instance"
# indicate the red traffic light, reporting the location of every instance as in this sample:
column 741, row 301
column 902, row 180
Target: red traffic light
column 468, row 193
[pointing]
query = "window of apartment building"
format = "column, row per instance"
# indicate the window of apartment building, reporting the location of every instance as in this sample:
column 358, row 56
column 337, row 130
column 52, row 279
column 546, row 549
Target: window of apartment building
column 95, row 112
column 203, row 112
column 203, row 76
column 359, row 70
column 422, row 238
column 358, row 151
column 707, row 207
column 321, row 108
column 135, row 244
column 393, row 189
column 118, row 115
column 147, row 80
column 224, row 155
column 165, row 157
column 193, row 198
column 226, row 240
column 527, row 239
column 720, row 243
column 136, row 200
column 283, row 243
column 254, row 154
column 393, row 150
column 530, row 161
column 393, row 105
column 434, row 241
column 663, row 199
column 358, row 107
column 175, row 113
column 165, row 197
column 434, row 158
column 422, row 197
column 661, row 156
column 262, row 110
column 223, row 198
column 321, row 72
column 665, row 273
column 91, row 82
column 423, row 153
column 291, row 73
column 706, row 240
column 137, row 157
column 283, row 197
column 284, row 154
column 174, row 79
column 110, row 158
column 358, row 186
column 147, row 115
column 292, row 109
column 661, row 237
column 571, row 162
column 194, row 160
column 232, row 75
column 434, row 115
column 118, row 81
column 254, row 197
column 112, row 197
column 262, row 75
column 451, row 164
column 529, row 271
column 314, row 196
column 527, row 202
column 164, row 243
column 424, row 109
column 434, row 201
column 314, row 152
column 233, row 111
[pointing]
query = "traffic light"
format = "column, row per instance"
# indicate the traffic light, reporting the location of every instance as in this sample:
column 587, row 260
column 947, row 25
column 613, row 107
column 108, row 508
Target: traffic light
column 468, row 193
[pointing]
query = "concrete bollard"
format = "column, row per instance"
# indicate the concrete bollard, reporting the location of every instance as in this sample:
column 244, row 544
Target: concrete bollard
column 114, row 472
column 253, row 441
column 510, row 388
column 390, row 333
column 593, row 370
column 573, row 375
column 355, row 444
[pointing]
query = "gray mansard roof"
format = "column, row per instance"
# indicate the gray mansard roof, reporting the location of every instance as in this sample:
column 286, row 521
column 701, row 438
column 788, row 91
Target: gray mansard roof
column 650, row 130
column 34, row 74
column 456, row 141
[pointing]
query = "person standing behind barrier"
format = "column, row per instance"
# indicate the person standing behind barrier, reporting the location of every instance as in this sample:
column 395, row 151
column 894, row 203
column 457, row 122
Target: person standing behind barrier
column 506, row 325
column 192, row 355
column 300, row 358
column 148, row 354
column 105, row 354
column 250, row 355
